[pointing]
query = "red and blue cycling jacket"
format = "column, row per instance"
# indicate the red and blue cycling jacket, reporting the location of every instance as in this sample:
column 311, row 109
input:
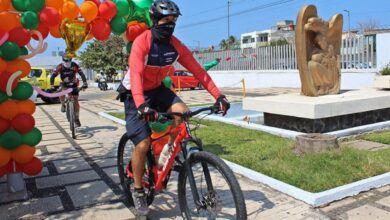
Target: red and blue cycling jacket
column 150, row 63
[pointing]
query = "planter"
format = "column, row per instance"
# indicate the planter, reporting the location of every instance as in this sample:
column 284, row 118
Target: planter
column 382, row 82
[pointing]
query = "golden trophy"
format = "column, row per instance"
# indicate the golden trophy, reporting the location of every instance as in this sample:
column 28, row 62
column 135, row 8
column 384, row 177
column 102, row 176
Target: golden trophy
column 74, row 32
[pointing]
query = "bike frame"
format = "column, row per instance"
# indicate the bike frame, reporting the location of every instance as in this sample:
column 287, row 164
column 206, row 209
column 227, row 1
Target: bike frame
column 184, row 133
column 159, row 177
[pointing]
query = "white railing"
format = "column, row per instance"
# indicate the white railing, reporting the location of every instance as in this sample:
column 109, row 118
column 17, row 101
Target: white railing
column 356, row 53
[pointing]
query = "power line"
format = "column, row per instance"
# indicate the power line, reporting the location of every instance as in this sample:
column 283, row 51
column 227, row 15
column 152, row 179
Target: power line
column 264, row 6
column 220, row 7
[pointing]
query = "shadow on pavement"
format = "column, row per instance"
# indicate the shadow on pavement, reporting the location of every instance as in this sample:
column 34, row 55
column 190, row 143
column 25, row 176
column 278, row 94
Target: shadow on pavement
column 86, row 132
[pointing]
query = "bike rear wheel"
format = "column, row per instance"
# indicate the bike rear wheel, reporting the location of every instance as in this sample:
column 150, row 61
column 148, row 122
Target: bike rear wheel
column 220, row 195
column 72, row 118
column 124, row 153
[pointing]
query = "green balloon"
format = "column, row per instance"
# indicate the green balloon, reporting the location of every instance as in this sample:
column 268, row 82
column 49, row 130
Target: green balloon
column 122, row 7
column 20, row 5
column 23, row 51
column 9, row 51
column 3, row 97
column 118, row 25
column 159, row 127
column 167, row 81
column 143, row 3
column 29, row 20
column 141, row 15
column 32, row 138
column 128, row 47
column 23, row 91
column 35, row 5
column 10, row 139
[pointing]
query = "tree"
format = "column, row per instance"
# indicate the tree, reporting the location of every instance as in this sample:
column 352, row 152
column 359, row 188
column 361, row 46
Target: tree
column 368, row 25
column 230, row 43
column 279, row 42
column 105, row 56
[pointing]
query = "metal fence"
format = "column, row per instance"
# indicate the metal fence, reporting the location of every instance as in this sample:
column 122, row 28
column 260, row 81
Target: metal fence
column 356, row 53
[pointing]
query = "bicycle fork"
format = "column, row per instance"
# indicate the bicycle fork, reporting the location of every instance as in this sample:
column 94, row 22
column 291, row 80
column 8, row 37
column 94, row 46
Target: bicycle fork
column 200, row 202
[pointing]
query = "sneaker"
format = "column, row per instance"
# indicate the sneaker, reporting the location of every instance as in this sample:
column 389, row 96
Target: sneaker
column 140, row 203
column 62, row 108
column 77, row 122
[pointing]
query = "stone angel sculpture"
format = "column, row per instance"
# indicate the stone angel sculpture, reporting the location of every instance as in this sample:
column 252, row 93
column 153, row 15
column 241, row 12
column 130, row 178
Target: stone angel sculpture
column 318, row 45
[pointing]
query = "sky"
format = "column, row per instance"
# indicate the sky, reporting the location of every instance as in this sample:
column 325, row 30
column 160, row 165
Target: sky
column 204, row 22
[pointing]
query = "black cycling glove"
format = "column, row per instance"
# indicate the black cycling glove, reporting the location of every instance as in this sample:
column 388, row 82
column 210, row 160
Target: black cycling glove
column 222, row 105
column 146, row 113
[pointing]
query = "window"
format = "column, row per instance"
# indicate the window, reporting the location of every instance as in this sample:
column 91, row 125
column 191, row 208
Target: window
column 35, row 73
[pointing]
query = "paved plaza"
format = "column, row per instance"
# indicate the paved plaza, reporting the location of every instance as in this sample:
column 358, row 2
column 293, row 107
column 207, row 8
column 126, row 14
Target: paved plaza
column 80, row 180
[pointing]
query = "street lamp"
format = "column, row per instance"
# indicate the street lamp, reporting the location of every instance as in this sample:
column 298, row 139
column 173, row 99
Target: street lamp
column 349, row 23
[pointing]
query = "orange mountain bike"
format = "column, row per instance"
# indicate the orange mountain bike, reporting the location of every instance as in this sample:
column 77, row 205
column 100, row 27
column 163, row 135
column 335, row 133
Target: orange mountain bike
column 206, row 185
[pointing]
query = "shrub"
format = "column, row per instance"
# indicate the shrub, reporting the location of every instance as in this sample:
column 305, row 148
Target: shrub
column 386, row 70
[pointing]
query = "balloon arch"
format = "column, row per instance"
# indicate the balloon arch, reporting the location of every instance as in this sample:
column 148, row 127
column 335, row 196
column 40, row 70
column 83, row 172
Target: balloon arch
column 26, row 20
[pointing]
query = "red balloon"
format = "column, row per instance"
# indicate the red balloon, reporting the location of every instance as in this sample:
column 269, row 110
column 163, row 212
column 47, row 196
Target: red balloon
column 107, row 10
column 49, row 17
column 23, row 123
column 4, row 76
column 44, row 31
column 20, row 36
column 97, row 2
column 4, row 125
column 32, row 168
column 135, row 29
column 6, row 168
column 101, row 29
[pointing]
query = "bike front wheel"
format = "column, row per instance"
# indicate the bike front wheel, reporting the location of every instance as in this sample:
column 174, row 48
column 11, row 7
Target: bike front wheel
column 210, row 181
column 72, row 118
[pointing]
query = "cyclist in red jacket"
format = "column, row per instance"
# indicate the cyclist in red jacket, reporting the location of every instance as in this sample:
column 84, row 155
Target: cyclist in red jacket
column 152, row 57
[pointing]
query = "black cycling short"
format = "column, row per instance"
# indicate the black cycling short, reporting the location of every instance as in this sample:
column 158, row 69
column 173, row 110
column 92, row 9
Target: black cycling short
column 160, row 99
column 75, row 91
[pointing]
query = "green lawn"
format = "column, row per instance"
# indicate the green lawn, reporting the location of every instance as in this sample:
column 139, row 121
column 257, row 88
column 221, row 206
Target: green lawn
column 274, row 156
column 381, row 137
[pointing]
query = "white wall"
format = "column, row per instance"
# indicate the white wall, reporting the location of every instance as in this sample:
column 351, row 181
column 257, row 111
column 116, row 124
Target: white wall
column 383, row 49
column 350, row 79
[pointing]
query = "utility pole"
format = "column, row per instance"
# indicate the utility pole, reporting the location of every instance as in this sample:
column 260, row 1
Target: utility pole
column 196, row 41
column 349, row 23
column 228, row 27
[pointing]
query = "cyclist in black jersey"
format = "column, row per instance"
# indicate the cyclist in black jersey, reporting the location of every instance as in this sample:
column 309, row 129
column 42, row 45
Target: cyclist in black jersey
column 68, row 70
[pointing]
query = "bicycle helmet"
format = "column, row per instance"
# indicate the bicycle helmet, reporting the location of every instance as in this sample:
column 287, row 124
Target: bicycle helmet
column 162, row 8
column 66, row 58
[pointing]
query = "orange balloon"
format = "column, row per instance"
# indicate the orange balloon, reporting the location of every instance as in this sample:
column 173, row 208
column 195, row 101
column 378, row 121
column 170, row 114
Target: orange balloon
column 4, row 4
column 3, row 65
column 19, row 64
column 70, row 10
column 57, row 4
column 8, row 109
column 89, row 10
column 55, row 31
column 23, row 154
column 5, row 156
column 12, row 21
column 26, row 106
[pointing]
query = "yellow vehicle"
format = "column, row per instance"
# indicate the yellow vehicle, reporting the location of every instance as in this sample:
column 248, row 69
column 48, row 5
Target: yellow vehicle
column 40, row 77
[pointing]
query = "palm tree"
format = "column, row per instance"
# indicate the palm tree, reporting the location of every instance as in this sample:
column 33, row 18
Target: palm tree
column 223, row 45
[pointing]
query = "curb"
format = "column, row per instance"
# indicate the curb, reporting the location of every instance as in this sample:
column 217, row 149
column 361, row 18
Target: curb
column 313, row 199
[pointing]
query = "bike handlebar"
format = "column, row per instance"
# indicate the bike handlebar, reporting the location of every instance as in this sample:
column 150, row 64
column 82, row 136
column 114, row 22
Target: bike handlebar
column 162, row 116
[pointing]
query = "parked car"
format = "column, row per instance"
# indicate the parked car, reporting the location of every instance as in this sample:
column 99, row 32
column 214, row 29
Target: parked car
column 40, row 77
column 187, row 80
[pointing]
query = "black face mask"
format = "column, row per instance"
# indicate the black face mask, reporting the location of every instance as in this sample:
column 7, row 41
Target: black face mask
column 162, row 33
